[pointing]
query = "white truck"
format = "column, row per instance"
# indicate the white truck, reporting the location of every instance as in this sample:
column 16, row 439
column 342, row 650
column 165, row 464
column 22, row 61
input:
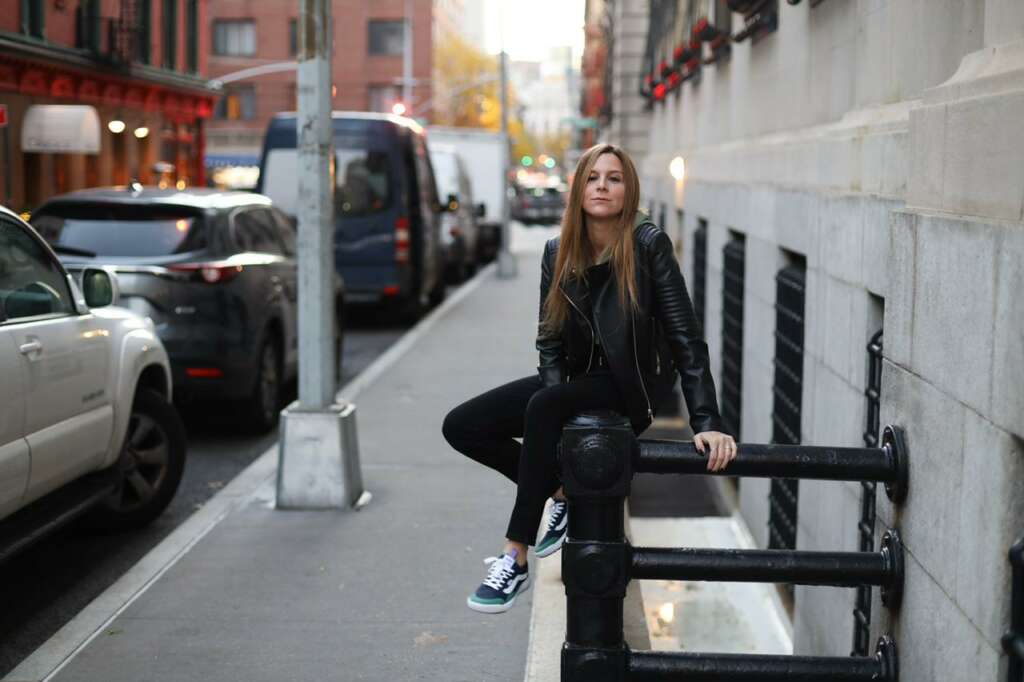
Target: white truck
column 485, row 154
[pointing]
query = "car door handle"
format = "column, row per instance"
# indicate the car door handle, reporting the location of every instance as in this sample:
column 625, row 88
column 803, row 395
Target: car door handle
column 30, row 347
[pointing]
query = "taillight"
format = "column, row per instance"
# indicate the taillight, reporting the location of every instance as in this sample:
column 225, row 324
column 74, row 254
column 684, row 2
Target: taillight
column 402, row 239
column 211, row 273
column 204, row 372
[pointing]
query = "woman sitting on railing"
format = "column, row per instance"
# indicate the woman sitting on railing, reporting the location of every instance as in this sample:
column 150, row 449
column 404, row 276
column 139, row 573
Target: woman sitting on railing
column 616, row 324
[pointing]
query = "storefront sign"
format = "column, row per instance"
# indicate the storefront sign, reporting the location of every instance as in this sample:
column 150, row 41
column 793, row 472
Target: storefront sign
column 61, row 129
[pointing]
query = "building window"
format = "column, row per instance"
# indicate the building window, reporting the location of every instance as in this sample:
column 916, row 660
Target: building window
column 733, row 270
column 192, row 33
column 145, row 35
column 235, row 38
column 237, row 104
column 382, row 97
column 700, row 269
column 787, row 388
column 89, row 25
column 170, row 33
column 33, row 18
column 387, row 37
column 293, row 37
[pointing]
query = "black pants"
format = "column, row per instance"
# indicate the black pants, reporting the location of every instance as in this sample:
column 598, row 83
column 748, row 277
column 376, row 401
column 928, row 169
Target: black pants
column 485, row 428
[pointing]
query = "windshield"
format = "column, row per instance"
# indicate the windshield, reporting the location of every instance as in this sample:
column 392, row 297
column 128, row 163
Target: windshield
column 117, row 231
column 362, row 181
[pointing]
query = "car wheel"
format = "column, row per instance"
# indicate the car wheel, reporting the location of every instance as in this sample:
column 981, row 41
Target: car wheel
column 263, row 407
column 437, row 293
column 151, row 464
column 339, row 341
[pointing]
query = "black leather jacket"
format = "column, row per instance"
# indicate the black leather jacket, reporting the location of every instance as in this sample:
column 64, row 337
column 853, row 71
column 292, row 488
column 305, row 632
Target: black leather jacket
column 643, row 349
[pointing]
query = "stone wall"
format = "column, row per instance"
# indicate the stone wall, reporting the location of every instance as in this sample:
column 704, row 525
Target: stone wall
column 880, row 140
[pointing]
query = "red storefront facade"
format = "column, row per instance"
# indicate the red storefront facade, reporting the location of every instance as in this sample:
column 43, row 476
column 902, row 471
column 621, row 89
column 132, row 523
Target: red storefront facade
column 102, row 92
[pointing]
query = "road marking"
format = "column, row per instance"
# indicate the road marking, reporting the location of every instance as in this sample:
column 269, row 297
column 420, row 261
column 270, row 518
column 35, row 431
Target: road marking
column 50, row 658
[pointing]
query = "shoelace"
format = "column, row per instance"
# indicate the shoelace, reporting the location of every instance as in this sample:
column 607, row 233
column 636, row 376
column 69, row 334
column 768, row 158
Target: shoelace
column 557, row 509
column 499, row 574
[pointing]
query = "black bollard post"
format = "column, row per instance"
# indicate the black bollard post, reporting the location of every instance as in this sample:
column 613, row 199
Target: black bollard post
column 596, row 461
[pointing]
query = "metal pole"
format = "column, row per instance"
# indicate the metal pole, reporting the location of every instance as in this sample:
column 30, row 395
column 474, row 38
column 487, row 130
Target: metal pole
column 318, row 456
column 8, row 170
column 407, row 59
column 506, row 263
column 316, row 208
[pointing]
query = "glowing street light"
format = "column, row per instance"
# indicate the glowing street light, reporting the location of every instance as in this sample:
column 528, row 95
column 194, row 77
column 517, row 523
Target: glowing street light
column 677, row 168
column 116, row 126
column 398, row 109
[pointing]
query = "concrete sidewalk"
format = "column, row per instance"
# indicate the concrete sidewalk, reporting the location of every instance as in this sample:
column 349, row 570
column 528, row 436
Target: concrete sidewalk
column 377, row 594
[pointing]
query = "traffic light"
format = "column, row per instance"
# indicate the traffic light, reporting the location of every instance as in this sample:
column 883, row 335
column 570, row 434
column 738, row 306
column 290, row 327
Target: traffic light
column 527, row 160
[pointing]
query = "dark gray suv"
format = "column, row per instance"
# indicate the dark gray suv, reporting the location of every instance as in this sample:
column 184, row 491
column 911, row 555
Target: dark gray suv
column 215, row 271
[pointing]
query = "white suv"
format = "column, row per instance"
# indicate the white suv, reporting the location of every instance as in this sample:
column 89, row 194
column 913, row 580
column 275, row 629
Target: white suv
column 86, row 422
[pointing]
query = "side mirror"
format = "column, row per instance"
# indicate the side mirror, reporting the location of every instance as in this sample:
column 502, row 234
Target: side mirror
column 481, row 210
column 99, row 287
column 453, row 203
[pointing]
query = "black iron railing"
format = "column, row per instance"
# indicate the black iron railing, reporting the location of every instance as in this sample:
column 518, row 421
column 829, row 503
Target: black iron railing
column 866, row 526
column 598, row 457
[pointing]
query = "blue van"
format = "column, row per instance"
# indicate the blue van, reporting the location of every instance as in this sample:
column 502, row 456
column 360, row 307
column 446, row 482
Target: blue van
column 387, row 223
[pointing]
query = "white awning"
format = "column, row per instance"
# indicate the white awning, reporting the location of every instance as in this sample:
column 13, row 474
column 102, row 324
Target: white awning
column 61, row 129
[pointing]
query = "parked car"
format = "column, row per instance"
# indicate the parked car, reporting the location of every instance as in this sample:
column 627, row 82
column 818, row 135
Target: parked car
column 538, row 205
column 215, row 271
column 485, row 155
column 460, row 234
column 86, row 420
column 387, row 227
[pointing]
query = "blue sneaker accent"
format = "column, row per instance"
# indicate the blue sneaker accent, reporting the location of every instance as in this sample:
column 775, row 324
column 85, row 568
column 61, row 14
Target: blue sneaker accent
column 557, row 528
column 504, row 582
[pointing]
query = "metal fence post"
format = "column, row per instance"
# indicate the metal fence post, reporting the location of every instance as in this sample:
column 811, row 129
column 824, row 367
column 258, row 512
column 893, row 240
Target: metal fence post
column 597, row 469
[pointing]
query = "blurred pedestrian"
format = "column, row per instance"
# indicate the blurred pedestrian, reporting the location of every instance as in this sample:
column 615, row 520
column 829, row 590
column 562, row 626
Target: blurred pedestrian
column 616, row 326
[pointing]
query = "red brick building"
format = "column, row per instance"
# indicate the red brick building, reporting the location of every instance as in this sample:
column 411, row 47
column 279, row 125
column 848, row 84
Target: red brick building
column 128, row 81
column 367, row 66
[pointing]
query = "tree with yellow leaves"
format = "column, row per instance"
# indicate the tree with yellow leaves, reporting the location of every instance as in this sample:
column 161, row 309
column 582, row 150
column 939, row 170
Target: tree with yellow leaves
column 466, row 92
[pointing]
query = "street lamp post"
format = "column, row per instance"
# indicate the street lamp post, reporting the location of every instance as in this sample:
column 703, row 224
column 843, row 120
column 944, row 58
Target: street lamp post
column 506, row 263
column 318, row 464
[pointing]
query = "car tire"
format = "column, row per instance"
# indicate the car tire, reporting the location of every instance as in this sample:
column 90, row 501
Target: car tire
column 263, row 406
column 151, row 465
column 437, row 294
column 339, row 342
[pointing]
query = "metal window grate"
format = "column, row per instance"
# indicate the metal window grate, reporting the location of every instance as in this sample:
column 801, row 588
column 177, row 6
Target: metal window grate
column 788, row 391
column 1013, row 638
column 734, row 257
column 700, row 269
column 866, row 527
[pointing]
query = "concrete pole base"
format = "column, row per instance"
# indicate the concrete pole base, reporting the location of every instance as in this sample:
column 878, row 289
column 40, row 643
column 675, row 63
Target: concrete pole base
column 318, row 459
column 507, row 266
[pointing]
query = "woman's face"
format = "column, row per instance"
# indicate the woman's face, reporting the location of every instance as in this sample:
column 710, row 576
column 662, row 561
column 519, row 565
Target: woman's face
column 605, row 191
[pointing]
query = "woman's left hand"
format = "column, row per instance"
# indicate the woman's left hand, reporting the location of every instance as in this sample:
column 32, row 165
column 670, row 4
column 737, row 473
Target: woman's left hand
column 720, row 448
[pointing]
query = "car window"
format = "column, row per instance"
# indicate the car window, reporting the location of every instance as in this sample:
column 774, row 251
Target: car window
column 31, row 281
column 122, row 230
column 362, row 184
column 285, row 231
column 254, row 230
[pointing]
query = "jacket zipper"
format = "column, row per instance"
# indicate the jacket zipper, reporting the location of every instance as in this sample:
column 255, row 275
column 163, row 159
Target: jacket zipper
column 592, row 333
column 636, row 357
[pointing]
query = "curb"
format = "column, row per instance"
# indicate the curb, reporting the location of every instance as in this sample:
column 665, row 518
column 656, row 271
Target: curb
column 48, row 660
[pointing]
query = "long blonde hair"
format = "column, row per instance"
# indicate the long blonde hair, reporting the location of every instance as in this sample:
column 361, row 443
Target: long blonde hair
column 575, row 252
